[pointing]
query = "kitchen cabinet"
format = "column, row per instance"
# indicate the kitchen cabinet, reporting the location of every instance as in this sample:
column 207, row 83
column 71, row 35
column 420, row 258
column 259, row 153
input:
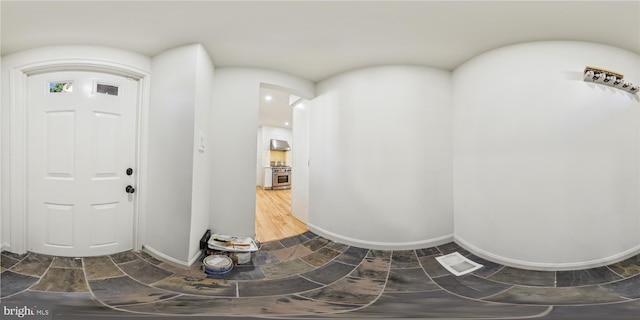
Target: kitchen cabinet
column 268, row 178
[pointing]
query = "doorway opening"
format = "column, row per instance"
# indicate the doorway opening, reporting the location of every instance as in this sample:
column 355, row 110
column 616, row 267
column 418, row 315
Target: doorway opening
column 280, row 151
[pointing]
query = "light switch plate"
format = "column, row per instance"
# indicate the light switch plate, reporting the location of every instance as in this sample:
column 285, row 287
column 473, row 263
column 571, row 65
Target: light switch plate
column 201, row 145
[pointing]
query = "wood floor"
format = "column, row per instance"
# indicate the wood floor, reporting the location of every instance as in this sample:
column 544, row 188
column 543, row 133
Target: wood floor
column 274, row 220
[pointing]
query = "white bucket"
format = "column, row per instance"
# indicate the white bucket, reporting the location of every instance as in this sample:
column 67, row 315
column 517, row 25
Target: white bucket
column 217, row 265
column 244, row 258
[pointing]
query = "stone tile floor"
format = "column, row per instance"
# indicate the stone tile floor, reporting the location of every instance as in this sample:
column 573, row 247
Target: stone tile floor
column 307, row 276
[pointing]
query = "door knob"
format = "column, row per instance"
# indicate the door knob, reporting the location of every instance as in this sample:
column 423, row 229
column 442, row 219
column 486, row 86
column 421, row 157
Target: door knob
column 130, row 189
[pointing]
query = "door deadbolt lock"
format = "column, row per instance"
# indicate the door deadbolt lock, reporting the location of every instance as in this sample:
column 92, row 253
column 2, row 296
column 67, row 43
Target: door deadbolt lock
column 129, row 171
column 130, row 189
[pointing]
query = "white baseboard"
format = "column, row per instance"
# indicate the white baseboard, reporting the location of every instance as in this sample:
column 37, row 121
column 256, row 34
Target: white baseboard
column 170, row 260
column 195, row 258
column 567, row 266
column 409, row 245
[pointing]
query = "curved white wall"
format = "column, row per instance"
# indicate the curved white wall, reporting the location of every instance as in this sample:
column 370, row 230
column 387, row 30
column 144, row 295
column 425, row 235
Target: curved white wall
column 380, row 158
column 545, row 164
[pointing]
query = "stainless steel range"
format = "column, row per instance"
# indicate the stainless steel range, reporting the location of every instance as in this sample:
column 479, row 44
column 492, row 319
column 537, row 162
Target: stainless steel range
column 281, row 178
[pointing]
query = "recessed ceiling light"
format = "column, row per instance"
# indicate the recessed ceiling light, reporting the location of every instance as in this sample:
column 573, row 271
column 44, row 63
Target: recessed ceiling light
column 268, row 98
column 286, row 123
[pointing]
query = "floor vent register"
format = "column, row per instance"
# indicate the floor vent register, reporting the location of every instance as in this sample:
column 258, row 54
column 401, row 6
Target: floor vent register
column 458, row 264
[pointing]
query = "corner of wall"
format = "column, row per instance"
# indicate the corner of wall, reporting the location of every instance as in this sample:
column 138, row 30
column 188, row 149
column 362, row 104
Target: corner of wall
column 171, row 260
column 202, row 151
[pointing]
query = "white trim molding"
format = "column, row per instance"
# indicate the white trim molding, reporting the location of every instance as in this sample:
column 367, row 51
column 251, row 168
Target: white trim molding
column 567, row 266
column 17, row 193
column 409, row 245
column 17, row 163
column 171, row 260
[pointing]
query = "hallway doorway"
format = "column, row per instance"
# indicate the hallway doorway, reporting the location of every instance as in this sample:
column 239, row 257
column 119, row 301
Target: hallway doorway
column 282, row 141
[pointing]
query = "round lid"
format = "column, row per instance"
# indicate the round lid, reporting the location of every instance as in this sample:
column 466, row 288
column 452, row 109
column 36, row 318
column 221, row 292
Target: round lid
column 217, row 261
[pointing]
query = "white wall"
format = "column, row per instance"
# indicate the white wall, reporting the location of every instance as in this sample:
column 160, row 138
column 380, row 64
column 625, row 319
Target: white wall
column 545, row 164
column 259, row 159
column 380, row 158
column 4, row 227
column 14, row 124
column 5, row 214
column 234, row 119
column 300, row 160
column 178, row 173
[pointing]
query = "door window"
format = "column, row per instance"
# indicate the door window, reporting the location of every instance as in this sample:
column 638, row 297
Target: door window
column 60, row 86
column 107, row 89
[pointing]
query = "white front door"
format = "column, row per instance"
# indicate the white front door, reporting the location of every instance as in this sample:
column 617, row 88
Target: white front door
column 81, row 141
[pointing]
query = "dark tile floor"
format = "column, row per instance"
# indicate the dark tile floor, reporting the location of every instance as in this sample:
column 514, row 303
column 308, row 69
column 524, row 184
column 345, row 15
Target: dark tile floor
column 307, row 276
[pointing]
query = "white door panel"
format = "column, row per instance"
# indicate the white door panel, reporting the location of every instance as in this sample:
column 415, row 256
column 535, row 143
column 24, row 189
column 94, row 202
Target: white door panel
column 81, row 142
column 59, row 217
column 60, row 144
column 104, row 223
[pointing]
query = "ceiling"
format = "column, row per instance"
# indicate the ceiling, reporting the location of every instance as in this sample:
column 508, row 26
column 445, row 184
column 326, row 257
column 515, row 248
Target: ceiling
column 275, row 111
column 318, row 39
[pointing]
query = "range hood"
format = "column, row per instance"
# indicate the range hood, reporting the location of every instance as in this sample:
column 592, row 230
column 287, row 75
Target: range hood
column 280, row 145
